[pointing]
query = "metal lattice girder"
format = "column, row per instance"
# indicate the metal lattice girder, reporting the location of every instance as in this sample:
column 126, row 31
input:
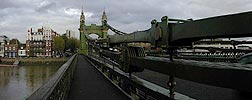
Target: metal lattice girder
column 228, row 75
column 134, row 37
column 157, row 31
column 228, row 26
column 184, row 33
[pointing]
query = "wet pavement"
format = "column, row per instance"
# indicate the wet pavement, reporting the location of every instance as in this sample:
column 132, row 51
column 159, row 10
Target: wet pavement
column 90, row 84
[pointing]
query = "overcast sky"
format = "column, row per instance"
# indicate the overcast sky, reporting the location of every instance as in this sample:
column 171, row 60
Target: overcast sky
column 17, row 16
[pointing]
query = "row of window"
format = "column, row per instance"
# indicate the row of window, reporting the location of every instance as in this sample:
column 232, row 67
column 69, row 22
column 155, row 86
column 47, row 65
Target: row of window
column 10, row 48
column 37, row 48
column 37, row 42
column 41, row 54
column 11, row 54
column 41, row 49
column 41, row 38
column 37, row 38
column 41, row 42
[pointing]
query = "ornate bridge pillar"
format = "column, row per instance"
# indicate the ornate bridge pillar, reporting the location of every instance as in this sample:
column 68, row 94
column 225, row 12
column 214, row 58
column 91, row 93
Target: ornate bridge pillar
column 83, row 40
column 100, row 30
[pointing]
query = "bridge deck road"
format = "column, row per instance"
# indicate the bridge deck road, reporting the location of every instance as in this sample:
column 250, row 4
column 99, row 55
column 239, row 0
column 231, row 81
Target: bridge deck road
column 90, row 84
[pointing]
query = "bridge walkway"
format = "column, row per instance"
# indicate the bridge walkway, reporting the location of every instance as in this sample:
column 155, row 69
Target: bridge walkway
column 89, row 84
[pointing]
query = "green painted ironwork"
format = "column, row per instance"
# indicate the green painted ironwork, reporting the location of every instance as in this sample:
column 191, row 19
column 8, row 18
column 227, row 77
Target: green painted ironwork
column 85, row 30
column 175, row 32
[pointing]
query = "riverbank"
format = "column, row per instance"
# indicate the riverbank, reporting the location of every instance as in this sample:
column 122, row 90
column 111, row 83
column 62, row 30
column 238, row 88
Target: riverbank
column 7, row 65
column 34, row 61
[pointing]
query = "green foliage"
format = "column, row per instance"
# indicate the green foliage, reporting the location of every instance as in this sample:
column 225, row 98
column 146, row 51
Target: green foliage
column 64, row 37
column 72, row 44
column 77, row 43
column 59, row 43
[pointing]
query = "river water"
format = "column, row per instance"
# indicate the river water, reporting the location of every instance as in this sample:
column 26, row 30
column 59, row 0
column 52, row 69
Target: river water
column 17, row 83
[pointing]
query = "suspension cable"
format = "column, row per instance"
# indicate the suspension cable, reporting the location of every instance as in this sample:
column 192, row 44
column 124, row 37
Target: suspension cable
column 113, row 29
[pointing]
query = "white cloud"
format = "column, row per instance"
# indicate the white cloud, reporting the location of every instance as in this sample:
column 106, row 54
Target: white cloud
column 73, row 11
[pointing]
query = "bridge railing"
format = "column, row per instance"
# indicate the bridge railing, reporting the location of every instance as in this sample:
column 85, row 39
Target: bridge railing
column 58, row 86
column 134, row 87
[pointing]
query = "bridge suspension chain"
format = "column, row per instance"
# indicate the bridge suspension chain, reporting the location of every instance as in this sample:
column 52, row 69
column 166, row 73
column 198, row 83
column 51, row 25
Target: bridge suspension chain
column 113, row 29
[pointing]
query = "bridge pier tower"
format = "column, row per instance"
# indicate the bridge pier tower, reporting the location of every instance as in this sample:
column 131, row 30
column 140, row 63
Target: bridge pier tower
column 85, row 30
column 83, row 40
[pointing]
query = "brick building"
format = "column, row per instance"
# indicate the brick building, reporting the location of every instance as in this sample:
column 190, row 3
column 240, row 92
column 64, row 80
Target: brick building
column 40, row 43
column 11, row 48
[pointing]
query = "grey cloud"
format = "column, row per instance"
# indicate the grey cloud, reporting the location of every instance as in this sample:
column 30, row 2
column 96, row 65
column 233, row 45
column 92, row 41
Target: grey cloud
column 207, row 8
column 6, row 4
column 16, row 16
column 45, row 6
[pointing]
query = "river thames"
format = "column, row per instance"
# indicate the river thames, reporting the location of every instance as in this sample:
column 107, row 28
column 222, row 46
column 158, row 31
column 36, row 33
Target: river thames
column 17, row 83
